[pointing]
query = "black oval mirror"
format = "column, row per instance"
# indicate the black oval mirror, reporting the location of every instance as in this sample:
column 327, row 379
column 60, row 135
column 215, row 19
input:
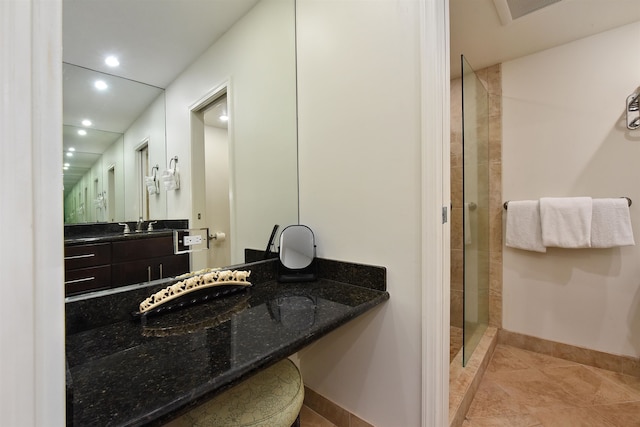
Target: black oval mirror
column 297, row 254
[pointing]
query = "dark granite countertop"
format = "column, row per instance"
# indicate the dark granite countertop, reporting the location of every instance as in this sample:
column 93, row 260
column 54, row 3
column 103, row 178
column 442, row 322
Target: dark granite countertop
column 116, row 237
column 79, row 234
column 145, row 372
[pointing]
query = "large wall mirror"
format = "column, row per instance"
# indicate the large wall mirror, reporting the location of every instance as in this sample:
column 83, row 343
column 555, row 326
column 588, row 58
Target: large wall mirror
column 182, row 64
column 102, row 163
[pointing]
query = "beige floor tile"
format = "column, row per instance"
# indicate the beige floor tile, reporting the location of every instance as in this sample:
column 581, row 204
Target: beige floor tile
column 328, row 409
column 309, row 418
column 492, row 401
column 621, row 414
column 504, row 360
column 525, row 389
column 513, row 421
column 589, row 387
column 629, row 383
column 455, row 342
column 532, row 359
column 571, row 417
column 533, row 389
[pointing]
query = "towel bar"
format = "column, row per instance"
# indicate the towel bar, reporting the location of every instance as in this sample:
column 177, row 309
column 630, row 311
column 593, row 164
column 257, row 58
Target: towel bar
column 505, row 205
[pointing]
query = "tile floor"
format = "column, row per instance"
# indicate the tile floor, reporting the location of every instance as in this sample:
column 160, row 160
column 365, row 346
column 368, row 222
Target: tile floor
column 525, row 389
column 309, row 418
column 455, row 342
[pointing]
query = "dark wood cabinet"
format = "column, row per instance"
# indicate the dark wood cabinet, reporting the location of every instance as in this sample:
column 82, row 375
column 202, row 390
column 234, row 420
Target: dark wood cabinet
column 87, row 279
column 145, row 270
column 122, row 262
column 143, row 260
column 131, row 250
column 87, row 267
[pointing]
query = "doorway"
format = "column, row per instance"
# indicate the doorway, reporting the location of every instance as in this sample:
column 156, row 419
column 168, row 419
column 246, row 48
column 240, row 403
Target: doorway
column 216, row 155
column 210, row 134
column 143, row 171
column 111, row 191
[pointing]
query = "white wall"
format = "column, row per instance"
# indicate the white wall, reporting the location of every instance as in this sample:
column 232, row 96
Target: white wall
column 375, row 189
column 32, row 365
column 257, row 57
column 360, row 175
column 217, row 179
column 114, row 156
column 564, row 135
column 149, row 128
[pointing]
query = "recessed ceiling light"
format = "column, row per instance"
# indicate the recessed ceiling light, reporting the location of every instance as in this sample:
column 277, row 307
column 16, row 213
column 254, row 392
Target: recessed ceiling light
column 65, row 168
column 69, row 154
column 82, row 132
column 66, row 165
column 100, row 85
column 86, row 122
column 71, row 149
column 111, row 61
column 224, row 117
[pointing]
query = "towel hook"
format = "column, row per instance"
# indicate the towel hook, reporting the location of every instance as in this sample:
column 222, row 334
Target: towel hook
column 174, row 160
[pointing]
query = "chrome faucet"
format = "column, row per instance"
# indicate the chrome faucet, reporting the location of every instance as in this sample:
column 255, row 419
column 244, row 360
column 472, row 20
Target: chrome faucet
column 139, row 225
column 126, row 227
column 150, row 227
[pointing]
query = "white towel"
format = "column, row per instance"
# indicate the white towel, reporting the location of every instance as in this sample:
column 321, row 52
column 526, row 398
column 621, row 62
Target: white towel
column 611, row 223
column 171, row 179
column 566, row 221
column 152, row 184
column 523, row 226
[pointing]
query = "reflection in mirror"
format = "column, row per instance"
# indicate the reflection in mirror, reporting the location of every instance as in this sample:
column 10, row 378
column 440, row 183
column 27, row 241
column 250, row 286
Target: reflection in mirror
column 111, row 125
column 297, row 254
column 245, row 46
column 79, row 161
column 297, row 247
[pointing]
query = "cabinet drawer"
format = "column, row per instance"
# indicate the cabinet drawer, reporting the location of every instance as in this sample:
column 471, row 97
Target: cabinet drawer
column 87, row 255
column 87, row 279
column 175, row 265
column 144, row 270
column 136, row 249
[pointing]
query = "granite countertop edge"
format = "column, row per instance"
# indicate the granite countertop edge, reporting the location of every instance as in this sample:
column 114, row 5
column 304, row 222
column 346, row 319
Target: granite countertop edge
column 337, row 277
column 198, row 396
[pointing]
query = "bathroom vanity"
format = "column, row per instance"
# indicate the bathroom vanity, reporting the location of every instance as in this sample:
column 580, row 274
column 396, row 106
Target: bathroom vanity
column 127, row 370
column 102, row 256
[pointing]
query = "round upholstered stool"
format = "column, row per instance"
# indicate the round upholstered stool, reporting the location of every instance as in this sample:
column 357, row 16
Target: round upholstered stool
column 271, row 398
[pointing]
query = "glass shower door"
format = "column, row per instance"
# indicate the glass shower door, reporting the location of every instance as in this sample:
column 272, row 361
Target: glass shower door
column 475, row 156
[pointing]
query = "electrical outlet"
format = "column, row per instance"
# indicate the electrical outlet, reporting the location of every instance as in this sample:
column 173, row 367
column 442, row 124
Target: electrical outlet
column 192, row 240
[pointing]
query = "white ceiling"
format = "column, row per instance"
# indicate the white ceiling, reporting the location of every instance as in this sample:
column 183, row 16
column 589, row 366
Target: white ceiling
column 157, row 40
column 154, row 40
column 476, row 30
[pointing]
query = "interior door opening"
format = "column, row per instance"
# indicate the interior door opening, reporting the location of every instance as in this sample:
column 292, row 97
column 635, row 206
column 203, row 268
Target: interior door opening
column 143, row 169
column 215, row 118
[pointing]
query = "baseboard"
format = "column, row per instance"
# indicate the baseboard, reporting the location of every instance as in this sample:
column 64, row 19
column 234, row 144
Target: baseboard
column 332, row 412
column 612, row 362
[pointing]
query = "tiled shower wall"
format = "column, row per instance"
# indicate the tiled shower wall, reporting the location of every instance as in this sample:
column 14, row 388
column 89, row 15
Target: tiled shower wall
column 491, row 77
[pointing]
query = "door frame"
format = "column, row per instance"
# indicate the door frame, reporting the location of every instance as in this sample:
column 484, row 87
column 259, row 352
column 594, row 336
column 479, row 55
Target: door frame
column 198, row 179
column 436, row 202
